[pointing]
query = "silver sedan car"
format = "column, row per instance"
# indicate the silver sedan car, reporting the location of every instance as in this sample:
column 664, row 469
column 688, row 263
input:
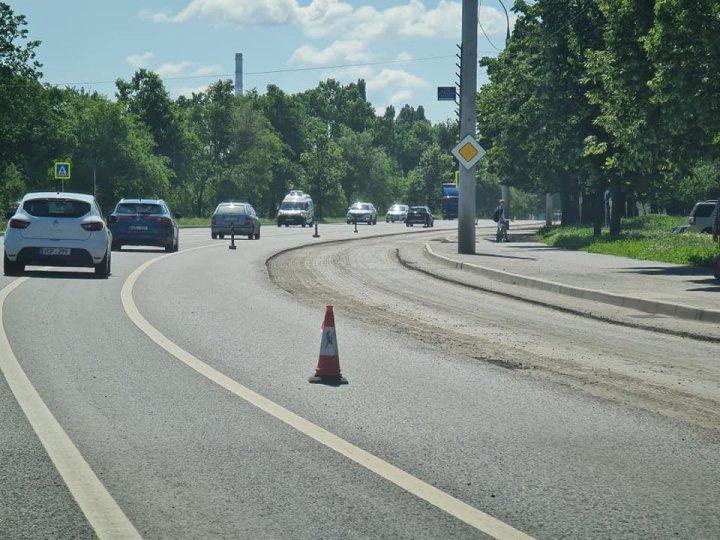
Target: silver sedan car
column 237, row 217
column 397, row 212
column 362, row 212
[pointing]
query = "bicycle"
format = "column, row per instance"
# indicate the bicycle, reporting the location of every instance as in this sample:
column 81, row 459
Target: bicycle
column 501, row 235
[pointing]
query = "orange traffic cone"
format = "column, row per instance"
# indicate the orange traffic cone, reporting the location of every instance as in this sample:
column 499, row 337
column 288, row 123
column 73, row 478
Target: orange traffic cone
column 328, row 368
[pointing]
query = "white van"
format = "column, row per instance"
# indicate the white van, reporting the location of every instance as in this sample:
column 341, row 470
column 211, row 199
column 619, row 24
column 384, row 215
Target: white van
column 296, row 209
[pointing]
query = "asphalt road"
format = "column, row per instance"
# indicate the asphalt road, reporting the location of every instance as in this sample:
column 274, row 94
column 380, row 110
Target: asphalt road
column 181, row 382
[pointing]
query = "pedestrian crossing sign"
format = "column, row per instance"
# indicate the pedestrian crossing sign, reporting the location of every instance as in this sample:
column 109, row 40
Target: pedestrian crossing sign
column 62, row 170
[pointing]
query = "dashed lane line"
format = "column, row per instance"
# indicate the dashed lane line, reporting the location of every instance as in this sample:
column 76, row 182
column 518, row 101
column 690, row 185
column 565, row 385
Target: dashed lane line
column 455, row 507
column 105, row 516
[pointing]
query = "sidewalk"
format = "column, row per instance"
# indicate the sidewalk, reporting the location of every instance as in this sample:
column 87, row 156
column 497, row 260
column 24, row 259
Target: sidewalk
column 568, row 278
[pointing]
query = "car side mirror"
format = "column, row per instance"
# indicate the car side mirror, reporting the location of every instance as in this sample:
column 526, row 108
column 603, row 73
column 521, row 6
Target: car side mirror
column 177, row 215
column 9, row 214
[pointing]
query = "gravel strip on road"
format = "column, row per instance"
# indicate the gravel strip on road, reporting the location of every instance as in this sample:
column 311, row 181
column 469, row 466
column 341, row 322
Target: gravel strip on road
column 652, row 370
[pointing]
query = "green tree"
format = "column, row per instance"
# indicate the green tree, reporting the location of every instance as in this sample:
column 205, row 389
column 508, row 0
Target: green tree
column 235, row 148
column 425, row 180
column 23, row 111
column 323, row 168
column 337, row 105
column 370, row 174
column 112, row 151
column 288, row 118
column 684, row 50
column 534, row 116
column 145, row 96
column 618, row 73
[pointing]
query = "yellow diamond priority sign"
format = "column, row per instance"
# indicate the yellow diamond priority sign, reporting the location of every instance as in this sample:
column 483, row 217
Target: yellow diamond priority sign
column 468, row 152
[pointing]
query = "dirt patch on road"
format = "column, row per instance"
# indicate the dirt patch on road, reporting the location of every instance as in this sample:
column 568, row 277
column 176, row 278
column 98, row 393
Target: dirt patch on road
column 365, row 281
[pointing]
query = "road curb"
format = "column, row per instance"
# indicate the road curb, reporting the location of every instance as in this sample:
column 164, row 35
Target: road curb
column 641, row 304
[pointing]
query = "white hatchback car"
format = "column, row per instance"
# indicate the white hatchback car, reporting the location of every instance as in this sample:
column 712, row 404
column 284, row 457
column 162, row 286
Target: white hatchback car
column 57, row 229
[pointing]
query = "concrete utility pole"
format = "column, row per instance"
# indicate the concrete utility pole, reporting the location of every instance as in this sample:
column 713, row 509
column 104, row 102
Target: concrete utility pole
column 468, row 91
column 238, row 74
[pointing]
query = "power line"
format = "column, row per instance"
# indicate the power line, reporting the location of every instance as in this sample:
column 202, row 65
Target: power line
column 276, row 71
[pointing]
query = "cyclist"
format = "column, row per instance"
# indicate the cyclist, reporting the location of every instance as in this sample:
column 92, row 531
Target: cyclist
column 502, row 224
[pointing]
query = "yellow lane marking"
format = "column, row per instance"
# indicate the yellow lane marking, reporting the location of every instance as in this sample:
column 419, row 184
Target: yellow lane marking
column 462, row 511
column 105, row 516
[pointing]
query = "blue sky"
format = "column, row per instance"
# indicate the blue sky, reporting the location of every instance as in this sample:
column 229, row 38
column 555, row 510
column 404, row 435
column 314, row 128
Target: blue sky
column 404, row 49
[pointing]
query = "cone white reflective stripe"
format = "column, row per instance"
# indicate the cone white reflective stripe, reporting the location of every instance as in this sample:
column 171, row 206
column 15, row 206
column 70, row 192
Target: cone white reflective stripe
column 328, row 344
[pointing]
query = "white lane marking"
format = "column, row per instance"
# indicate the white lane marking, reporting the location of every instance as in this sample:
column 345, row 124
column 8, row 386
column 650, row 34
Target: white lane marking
column 105, row 516
column 462, row 511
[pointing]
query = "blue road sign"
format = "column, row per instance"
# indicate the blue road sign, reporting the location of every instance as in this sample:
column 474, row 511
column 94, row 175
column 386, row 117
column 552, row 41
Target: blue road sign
column 62, row 170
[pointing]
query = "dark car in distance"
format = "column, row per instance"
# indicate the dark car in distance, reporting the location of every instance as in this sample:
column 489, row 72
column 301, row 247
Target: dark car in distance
column 144, row 222
column 421, row 215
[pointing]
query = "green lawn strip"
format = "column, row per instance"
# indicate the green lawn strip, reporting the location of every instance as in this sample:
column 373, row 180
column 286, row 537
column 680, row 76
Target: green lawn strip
column 647, row 238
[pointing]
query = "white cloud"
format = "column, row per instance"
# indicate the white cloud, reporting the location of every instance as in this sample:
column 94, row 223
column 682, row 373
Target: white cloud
column 399, row 99
column 404, row 57
column 410, row 20
column 140, row 60
column 233, row 12
column 495, row 22
column 395, row 78
column 395, row 87
column 338, row 51
column 186, row 69
column 324, row 18
column 173, row 69
column 327, row 18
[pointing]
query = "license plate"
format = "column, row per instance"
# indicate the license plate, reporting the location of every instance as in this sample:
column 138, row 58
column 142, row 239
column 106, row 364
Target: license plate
column 138, row 228
column 54, row 251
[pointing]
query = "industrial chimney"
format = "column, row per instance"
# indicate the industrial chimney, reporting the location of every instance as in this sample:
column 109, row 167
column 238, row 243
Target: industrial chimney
column 238, row 74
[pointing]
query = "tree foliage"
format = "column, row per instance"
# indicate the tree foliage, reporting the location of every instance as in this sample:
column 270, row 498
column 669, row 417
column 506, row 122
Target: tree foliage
column 598, row 94
column 589, row 95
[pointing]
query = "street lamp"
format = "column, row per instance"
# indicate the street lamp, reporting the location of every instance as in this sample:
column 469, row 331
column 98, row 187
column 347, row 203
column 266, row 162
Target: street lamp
column 507, row 19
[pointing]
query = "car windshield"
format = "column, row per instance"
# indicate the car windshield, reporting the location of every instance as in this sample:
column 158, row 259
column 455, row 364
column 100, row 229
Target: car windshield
column 360, row 206
column 293, row 205
column 398, row 208
column 138, row 208
column 231, row 209
column 56, row 208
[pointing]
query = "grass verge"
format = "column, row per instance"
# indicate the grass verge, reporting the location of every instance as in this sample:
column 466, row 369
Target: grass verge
column 647, row 238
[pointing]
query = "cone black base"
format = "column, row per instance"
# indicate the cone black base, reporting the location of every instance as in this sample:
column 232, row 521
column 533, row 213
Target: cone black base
column 329, row 380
